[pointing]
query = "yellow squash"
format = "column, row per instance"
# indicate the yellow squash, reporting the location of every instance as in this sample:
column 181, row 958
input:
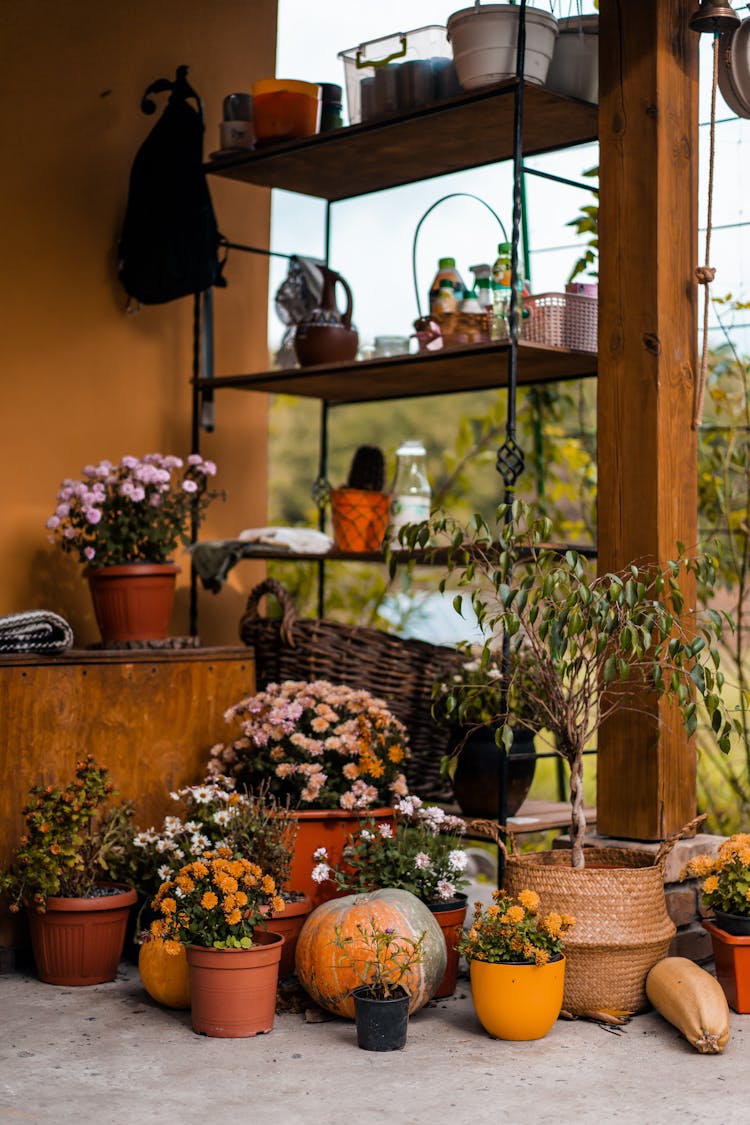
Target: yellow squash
column 692, row 1000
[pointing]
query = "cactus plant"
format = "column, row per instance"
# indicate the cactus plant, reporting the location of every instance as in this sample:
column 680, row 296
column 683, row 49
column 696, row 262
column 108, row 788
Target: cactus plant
column 367, row 469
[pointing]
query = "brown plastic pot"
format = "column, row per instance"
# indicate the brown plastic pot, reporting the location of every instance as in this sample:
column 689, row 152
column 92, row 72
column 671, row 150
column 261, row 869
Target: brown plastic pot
column 133, row 602
column 79, row 941
column 233, row 991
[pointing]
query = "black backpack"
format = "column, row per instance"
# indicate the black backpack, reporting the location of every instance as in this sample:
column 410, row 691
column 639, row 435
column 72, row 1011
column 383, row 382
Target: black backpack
column 169, row 243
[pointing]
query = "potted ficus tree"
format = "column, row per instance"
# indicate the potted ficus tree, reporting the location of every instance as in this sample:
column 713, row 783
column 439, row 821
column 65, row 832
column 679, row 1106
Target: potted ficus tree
column 597, row 644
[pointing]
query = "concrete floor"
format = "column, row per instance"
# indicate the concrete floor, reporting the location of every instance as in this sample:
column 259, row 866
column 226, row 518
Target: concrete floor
column 109, row 1055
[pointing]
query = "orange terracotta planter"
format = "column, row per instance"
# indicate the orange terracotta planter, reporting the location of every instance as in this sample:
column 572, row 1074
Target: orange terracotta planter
column 360, row 519
column 233, row 991
column 133, row 602
column 79, row 941
column 450, row 917
column 732, row 961
column 329, row 829
column 289, row 924
column 517, row 1001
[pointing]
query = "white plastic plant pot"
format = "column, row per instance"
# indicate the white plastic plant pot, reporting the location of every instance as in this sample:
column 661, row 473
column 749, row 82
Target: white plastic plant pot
column 574, row 69
column 485, row 40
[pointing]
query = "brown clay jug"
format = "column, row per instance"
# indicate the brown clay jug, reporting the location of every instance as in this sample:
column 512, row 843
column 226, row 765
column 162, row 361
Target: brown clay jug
column 327, row 335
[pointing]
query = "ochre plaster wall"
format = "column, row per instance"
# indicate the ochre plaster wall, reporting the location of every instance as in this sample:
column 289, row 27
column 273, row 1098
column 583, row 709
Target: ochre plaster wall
column 80, row 379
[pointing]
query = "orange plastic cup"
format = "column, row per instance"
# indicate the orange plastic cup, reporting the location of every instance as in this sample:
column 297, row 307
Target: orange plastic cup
column 284, row 109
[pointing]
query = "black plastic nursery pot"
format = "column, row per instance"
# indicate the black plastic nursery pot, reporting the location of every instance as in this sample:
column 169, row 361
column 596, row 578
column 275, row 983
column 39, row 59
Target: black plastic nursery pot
column 381, row 1023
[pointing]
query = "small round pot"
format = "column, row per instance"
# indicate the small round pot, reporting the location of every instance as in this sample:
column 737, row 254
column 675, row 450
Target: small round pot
column 475, row 780
column 233, row 991
column 79, row 941
column 517, row 1001
column 484, row 41
column 381, row 1024
column 450, row 917
column 736, row 924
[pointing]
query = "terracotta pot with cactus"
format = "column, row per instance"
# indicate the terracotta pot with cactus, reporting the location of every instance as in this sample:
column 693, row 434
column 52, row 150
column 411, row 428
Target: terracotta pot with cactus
column 360, row 509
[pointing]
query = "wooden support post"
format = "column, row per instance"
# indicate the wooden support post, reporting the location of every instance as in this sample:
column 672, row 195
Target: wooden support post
column 647, row 451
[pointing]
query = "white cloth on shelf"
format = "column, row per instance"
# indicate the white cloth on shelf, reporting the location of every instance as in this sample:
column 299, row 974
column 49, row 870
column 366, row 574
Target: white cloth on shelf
column 303, row 540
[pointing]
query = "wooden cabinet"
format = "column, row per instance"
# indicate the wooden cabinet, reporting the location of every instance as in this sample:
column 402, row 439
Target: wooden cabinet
column 150, row 717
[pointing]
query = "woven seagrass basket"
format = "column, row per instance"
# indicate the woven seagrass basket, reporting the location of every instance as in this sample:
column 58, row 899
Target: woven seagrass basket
column 397, row 670
column 622, row 927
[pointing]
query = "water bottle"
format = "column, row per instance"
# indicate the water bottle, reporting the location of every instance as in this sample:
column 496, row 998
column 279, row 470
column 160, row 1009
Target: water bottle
column 411, row 492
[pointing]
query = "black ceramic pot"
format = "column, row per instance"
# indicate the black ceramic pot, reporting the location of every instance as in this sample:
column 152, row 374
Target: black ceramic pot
column 476, row 780
column 738, row 925
column 381, row 1024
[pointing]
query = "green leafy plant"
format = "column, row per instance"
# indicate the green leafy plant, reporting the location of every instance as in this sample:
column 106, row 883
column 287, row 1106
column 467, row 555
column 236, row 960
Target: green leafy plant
column 726, row 878
column 474, row 696
column 586, row 223
column 422, row 856
column 216, row 902
column 381, row 958
column 597, row 643
column 75, row 837
column 508, row 931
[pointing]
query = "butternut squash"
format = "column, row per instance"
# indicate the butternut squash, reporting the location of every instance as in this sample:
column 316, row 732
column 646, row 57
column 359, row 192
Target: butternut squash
column 692, row 1000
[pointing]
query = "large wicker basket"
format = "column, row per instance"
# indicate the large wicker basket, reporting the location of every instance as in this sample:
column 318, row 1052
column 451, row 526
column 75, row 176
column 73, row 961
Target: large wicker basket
column 622, row 927
column 400, row 671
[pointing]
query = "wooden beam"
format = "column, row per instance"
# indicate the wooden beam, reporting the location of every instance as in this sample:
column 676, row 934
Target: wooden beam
column 648, row 127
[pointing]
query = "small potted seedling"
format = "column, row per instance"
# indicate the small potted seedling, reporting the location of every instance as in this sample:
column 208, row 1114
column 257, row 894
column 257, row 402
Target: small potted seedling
column 360, row 508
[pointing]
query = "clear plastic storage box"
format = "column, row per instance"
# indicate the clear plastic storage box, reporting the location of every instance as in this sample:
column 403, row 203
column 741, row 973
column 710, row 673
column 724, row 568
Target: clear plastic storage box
column 399, row 72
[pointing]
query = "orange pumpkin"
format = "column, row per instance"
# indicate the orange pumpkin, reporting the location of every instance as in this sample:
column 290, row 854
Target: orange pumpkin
column 330, row 983
column 165, row 976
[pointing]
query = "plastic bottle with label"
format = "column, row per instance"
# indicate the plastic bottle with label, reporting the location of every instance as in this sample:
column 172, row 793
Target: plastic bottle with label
column 446, row 278
column 411, row 493
column 501, row 277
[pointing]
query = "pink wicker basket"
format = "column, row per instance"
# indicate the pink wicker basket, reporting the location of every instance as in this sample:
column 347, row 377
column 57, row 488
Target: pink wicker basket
column 565, row 320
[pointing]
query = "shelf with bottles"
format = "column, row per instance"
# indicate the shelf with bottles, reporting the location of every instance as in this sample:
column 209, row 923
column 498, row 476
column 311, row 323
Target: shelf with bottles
column 450, row 371
column 468, row 131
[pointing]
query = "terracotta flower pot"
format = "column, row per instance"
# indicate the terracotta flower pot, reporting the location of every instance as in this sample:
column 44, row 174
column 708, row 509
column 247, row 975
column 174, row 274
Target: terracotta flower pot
column 732, row 961
column 329, row 829
column 288, row 924
column 360, row 519
column 133, row 602
column 233, row 991
column 79, row 941
column 517, row 1001
column 450, row 917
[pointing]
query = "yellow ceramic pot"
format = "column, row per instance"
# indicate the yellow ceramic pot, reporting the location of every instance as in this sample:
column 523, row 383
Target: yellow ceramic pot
column 515, row 1001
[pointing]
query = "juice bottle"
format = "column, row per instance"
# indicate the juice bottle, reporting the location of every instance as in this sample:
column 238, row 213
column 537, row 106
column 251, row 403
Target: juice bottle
column 447, row 273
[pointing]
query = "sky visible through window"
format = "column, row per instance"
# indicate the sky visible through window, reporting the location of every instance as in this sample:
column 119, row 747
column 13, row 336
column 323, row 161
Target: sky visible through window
column 371, row 236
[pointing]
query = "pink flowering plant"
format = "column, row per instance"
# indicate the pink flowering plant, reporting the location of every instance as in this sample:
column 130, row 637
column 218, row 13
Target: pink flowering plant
column 422, row 856
column 137, row 511
column 321, row 745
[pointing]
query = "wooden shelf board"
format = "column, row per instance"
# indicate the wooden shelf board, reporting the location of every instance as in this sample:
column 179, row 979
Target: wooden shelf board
column 466, row 132
column 478, row 367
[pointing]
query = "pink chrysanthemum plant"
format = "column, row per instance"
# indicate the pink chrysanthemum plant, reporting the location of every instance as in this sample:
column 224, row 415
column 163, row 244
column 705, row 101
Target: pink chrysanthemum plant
column 422, row 856
column 137, row 511
column 514, row 931
column 321, row 745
